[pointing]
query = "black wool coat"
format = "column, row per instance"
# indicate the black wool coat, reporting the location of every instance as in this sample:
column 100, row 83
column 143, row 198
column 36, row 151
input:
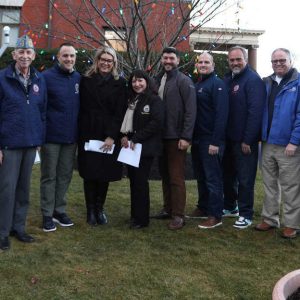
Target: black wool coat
column 103, row 103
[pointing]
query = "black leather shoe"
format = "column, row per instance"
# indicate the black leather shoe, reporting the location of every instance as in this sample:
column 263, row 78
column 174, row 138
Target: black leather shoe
column 161, row 215
column 137, row 226
column 4, row 243
column 90, row 217
column 101, row 218
column 22, row 236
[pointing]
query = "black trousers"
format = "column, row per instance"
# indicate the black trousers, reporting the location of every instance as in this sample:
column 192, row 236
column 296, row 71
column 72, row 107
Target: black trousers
column 139, row 191
column 95, row 193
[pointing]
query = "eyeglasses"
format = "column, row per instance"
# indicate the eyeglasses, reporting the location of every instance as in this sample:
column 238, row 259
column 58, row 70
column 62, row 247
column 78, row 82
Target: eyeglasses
column 280, row 61
column 108, row 61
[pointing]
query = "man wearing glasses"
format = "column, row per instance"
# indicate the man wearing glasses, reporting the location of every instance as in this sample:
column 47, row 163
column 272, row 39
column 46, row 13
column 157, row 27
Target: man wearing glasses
column 246, row 99
column 281, row 154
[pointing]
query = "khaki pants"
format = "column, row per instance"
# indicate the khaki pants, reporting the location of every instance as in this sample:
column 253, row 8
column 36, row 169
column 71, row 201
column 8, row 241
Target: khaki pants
column 281, row 179
column 57, row 162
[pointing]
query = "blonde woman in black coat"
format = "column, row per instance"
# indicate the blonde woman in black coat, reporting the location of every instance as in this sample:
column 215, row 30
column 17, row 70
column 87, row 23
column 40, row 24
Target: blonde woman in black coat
column 103, row 101
column 142, row 123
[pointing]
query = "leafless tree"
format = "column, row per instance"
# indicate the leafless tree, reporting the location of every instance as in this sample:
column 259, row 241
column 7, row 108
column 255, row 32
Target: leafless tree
column 141, row 28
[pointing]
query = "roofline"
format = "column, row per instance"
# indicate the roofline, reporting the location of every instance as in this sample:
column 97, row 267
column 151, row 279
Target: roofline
column 230, row 30
column 12, row 3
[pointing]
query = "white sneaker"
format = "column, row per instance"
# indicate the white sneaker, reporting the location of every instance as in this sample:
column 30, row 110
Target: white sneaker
column 242, row 223
column 231, row 213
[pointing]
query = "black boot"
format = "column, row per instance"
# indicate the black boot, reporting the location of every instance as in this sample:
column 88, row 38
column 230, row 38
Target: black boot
column 90, row 196
column 101, row 217
column 90, row 216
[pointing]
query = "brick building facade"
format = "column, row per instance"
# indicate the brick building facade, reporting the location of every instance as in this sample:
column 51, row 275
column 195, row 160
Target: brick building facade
column 50, row 23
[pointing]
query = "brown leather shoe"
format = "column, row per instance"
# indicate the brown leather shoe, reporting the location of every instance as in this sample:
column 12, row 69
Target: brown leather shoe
column 197, row 214
column 263, row 226
column 176, row 223
column 211, row 222
column 289, row 233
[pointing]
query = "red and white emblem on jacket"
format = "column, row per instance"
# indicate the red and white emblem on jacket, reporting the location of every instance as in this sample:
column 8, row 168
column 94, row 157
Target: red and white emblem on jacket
column 36, row 88
column 236, row 88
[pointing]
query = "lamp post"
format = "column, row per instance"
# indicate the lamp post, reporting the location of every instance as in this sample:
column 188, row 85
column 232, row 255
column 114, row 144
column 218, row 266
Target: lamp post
column 5, row 42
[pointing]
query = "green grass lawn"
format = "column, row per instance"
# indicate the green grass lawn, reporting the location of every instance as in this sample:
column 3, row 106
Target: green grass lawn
column 114, row 262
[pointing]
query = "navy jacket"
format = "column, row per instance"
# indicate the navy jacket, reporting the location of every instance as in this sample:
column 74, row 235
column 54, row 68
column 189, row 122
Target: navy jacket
column 247, row 95
column 22, row 113
column 212, row 110
column 63, row 105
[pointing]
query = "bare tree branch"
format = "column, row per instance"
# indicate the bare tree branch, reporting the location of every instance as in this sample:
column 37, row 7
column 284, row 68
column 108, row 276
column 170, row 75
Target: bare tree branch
column 142, row 27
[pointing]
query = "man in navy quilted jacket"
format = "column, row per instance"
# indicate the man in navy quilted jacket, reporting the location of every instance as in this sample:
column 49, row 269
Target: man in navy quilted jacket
column 23, row 99
column 57, row 155
column 208, row 142
column 247, row 96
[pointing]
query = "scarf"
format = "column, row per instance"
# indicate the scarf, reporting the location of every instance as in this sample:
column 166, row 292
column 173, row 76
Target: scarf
column 127, row 125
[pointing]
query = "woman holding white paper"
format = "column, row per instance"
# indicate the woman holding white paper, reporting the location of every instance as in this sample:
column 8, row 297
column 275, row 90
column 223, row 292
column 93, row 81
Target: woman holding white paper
column 142, row 124
column 103, row 98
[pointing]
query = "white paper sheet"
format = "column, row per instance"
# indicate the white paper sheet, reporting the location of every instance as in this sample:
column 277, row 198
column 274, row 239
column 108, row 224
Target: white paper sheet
column 131, row 157
column 95, row 145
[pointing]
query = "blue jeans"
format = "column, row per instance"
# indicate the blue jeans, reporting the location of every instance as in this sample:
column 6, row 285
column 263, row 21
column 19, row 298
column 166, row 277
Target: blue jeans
column 239, row 178
column 208, row 172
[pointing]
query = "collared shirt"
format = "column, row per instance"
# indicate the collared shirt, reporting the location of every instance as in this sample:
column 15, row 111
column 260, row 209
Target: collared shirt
column 25, row 80
column 162, row 86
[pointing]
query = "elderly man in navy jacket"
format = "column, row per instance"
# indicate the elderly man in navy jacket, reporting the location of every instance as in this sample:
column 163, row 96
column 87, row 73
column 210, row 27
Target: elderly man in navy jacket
column 23, row 100
column 57, row 155
column 281, row 151
column 246, row 100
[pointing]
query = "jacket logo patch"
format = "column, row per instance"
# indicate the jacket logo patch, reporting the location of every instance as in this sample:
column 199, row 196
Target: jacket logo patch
column 200, row 90
column 146, row 109
column 36, row 88
column 236, row 88
column 76, row 88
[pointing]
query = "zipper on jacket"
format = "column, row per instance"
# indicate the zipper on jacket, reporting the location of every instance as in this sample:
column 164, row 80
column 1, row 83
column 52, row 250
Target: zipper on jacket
column 25, row 89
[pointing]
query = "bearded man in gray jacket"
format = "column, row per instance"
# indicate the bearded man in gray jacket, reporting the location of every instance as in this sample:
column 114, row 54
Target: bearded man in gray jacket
column 178, row 93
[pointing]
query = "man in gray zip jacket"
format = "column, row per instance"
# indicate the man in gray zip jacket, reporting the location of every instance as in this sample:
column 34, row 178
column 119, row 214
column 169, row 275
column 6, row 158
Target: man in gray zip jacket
column 179, row 97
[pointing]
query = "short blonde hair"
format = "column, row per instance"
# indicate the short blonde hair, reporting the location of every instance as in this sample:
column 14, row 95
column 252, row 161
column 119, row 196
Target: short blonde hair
column 94, row 67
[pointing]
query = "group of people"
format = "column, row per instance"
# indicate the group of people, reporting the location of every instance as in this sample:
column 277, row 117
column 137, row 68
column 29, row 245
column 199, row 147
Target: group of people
column 60, row 111
column 233, row 115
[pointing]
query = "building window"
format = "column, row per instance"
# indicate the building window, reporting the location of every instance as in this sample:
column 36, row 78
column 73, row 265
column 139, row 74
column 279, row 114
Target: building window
column 10, row 17
column 114, row 38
